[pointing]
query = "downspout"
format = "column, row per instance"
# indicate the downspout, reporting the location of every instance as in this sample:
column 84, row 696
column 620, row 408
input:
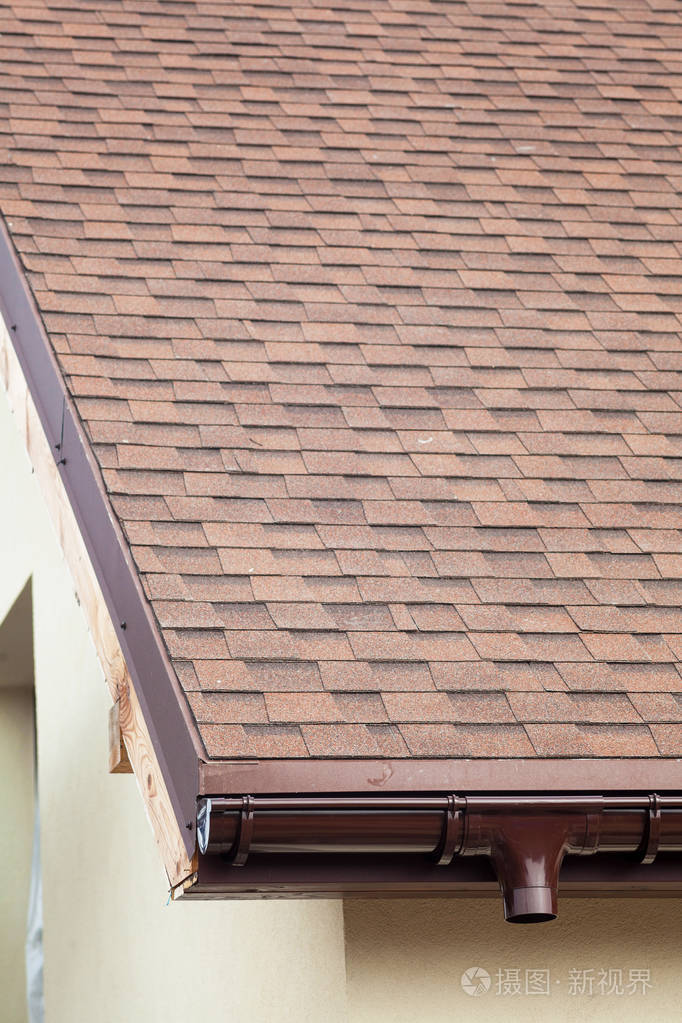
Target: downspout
column 527, row 849
column 525, row 837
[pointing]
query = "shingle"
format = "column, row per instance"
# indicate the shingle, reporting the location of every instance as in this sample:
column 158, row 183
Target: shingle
column 411, row 646
column 434, row 617
column 498, row 675
column 282, row 645
column 258, row 676
column 228, row 708
column 658, row 706
column 592, row 740
column 450, row 740
column 439, row 707
column 609, row 647
column 621, row 676
column 392, row 427
column 499, row 646
column 376, row 676
column 341, row 740
column 668, row 739
column 276, row 741
column 363, row 707
column 300, row 616
column 573, row 707
column 195, row 643
column 299, row 707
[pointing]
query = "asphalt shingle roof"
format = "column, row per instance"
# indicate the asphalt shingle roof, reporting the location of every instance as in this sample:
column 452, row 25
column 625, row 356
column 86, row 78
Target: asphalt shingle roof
column 371, row 313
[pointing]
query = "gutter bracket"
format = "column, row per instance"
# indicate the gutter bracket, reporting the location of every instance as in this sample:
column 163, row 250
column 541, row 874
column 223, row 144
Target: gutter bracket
column 592, row 833
column 447, row 847
column 243, row 843
column 652, row 837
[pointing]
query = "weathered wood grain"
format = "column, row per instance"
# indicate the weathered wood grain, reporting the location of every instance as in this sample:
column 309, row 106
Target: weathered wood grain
column 133, row 728
column 118, row 754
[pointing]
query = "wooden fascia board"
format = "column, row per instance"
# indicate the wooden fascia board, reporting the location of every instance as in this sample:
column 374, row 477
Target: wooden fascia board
column 171, row 811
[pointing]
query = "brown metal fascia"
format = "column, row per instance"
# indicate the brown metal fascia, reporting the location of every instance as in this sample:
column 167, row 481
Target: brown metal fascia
column 525, row 837
column 607, row 875
column 173, row 732
column 610, row 774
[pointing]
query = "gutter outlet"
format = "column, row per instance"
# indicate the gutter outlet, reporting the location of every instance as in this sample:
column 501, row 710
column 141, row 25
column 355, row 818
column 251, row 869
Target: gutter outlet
column 526, row 854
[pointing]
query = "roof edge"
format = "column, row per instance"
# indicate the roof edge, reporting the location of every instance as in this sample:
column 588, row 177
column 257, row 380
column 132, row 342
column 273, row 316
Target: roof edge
column 218, row 778
column 172, row 730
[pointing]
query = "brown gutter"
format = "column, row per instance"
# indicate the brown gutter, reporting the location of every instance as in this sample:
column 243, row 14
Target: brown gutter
column 524, row 837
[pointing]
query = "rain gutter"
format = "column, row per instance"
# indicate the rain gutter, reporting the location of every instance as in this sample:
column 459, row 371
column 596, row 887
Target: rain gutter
column 525, row 838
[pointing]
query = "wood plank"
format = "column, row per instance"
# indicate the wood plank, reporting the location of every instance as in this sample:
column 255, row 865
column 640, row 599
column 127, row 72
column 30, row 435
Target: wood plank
column 119, row 762
column 134, row 729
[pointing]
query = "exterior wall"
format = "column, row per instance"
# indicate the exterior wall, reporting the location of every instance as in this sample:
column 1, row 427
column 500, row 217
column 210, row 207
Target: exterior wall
column 405, row 960
column 113, row 949
column 16, row 842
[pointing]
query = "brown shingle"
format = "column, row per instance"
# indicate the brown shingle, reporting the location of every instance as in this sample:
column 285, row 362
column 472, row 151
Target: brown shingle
column 457, row 707
column 299, row 707
column 253, row 741
column 219, row 708
column 341, row 740
column 658, row 706
column 668, row 739
column 487, row 675
column 376, row 676
column 450, row 740
column 609, row 647
column 570, row 707
column 393, row 429
column 592, row 740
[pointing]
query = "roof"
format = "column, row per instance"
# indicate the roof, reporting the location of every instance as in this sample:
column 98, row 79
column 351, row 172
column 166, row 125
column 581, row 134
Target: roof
column 371, row 317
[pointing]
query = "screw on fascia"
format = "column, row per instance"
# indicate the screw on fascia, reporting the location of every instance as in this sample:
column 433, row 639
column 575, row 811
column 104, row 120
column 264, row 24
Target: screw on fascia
column 62, row 460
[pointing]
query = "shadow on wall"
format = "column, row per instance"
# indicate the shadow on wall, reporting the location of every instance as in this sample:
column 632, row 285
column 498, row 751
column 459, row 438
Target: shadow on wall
column 442, row 960
column 16, row 644
column 17, row 778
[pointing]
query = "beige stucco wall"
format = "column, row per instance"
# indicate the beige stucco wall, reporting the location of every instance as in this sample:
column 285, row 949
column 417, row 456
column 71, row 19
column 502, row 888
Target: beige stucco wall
column 114, row 951
column 405, row 961
column 16, row 838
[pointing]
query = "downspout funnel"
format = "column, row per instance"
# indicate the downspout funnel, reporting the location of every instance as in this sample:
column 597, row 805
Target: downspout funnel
column 527, row 856
column 526, row 853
